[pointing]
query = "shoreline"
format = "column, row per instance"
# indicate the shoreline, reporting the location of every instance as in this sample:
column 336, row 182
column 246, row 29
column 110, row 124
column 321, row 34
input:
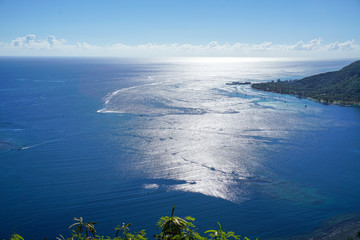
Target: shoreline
column 335, row 103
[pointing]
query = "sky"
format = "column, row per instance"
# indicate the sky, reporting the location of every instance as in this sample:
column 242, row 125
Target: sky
column 177, row 28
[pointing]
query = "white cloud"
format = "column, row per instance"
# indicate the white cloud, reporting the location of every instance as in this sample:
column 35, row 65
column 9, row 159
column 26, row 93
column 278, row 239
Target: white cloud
column 311, row 45
column 84, row 45
column 51, row 46
column 29, row 42
column 348, row 45
column 53, row 42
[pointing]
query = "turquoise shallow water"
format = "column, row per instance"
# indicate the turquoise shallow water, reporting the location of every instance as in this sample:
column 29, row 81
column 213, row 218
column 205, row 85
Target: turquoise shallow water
column 122, row 140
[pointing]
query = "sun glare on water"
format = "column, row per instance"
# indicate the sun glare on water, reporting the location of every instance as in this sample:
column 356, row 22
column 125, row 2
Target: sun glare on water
column 196, row 129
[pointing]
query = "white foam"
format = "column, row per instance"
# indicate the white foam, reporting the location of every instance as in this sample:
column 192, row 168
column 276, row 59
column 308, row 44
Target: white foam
column 151, row 186
column 37, row 145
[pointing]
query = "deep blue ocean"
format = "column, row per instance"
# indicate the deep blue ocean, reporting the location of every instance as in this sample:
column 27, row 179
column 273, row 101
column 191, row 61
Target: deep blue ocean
column 123, row 140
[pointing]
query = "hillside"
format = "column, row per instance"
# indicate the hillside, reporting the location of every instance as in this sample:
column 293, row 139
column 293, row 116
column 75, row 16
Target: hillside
column 341, row 86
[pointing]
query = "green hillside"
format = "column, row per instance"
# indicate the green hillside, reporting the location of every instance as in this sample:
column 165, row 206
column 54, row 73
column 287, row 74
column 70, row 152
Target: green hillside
column 341, row 86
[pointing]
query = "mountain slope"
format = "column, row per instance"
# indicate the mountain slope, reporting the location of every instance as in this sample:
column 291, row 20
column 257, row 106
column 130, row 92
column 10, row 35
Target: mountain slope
column 341, row 86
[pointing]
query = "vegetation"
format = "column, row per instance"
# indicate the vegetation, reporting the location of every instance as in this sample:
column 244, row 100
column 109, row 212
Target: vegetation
column 171, row 228
column 89, row 227
column 342, row 87
column 16, row 237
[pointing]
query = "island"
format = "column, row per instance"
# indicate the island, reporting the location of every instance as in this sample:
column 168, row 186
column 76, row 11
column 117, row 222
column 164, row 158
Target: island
column 338, row 87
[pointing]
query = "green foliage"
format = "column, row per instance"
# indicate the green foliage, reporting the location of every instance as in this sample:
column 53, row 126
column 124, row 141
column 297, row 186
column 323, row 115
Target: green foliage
column 175, row 227
column 341, row 86
column 126, row 233
column 81, row 225
column 172, row 228
column 16, row 236
column 222, row 235
column 124, row 229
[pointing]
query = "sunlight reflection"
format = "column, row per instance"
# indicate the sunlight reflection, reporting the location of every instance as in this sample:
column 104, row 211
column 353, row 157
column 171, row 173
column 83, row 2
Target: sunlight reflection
column 197, row 130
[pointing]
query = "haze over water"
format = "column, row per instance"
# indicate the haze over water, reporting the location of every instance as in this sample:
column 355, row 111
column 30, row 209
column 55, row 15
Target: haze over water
column 122, row 140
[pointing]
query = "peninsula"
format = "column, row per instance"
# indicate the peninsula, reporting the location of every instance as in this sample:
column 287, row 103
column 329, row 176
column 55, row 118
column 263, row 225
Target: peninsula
column 338, row 87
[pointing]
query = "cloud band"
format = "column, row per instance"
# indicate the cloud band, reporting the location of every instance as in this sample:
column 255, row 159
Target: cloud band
column 51, row 46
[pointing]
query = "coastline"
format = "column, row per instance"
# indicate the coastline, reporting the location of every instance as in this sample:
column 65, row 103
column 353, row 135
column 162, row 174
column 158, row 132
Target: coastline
column 337, row 103
column 338, row 87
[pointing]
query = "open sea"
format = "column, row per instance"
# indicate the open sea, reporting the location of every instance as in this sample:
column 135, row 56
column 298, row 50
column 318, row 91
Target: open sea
column 123, row 140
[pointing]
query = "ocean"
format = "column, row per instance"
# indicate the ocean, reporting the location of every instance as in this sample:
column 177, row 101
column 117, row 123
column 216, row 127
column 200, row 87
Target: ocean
column 123, row 140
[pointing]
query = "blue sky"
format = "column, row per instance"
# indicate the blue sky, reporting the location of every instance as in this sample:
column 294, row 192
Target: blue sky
column 181, row 27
